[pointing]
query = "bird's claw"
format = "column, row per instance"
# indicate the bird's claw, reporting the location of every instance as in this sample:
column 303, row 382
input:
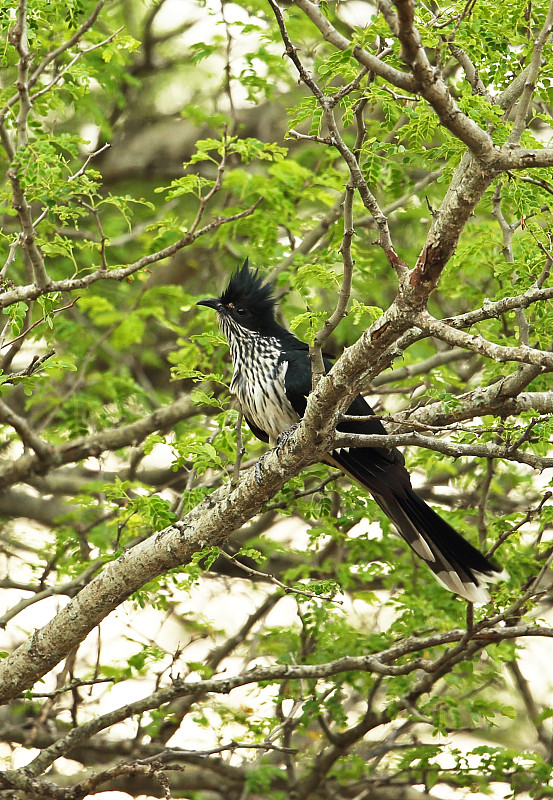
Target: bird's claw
column 284, row 436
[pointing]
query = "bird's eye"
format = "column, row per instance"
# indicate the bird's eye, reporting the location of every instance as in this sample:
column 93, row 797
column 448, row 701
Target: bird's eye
column 241, row 311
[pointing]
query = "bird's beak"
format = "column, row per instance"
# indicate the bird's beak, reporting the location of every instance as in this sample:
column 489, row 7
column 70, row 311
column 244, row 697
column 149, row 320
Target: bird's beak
column 210, row 302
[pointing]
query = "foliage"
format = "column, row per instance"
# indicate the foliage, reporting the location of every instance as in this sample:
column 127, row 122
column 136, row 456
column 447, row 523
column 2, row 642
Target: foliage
column 141, row 166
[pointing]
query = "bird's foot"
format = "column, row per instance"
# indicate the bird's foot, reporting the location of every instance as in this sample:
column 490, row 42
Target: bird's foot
column 284, row 436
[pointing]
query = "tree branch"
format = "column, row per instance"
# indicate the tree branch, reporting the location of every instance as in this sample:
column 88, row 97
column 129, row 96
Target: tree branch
column 519, row 125
column 95, row 444
column 31, row 292
column 471, row 341
column 381, row 663
column 373, row 63
column 453, row 449
column 432, row 87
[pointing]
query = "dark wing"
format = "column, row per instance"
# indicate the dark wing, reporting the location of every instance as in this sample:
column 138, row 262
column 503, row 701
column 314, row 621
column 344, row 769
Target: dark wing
column 257, row 431
column 297, row 381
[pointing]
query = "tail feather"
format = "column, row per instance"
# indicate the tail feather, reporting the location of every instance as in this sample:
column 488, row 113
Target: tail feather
column 456, row 564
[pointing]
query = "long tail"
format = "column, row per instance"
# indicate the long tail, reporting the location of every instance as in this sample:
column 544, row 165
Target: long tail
column 457, row 565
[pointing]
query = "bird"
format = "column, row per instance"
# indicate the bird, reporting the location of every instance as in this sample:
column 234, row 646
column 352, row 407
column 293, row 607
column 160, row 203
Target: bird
column 271, row 381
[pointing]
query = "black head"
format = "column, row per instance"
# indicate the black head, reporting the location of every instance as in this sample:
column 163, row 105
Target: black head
column 247, row 301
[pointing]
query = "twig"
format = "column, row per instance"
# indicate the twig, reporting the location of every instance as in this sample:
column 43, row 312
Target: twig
column 335, row 139
column 53, row 54
column 484, row 494
column 74, row 684
column 541, row 182
column 381, row 663
column 305, row 493
column 11, row 255
column 204, row 200
column 330, row 324
column 311, row 238
column 507, row 233
column 271, row 578
column 39, row 322
column 90, row 156
column 228, row 69
column 67, row 589
column 419, row 368
column 531, row 514
column 34, row 366
column 103, row 238
column 31, row 292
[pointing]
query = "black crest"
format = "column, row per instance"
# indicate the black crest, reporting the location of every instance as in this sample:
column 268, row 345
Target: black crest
column 247, row 289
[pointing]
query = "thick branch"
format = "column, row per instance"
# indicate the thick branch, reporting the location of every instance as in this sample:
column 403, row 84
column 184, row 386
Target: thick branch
column 523, row 158
column 496, row 399
column 467, row 186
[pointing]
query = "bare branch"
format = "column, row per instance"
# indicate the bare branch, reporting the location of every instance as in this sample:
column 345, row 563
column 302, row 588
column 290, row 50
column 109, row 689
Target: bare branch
column 453, row 449
column 89, row 158
column 471, row 341
column 272, row 579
